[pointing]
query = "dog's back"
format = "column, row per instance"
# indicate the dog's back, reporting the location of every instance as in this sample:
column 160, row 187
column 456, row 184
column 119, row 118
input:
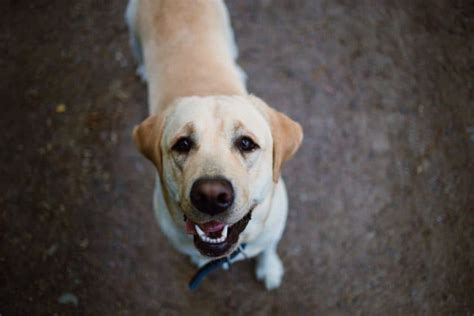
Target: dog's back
column 188, row 48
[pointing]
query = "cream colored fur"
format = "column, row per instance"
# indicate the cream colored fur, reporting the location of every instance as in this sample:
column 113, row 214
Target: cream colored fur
column 187, row 53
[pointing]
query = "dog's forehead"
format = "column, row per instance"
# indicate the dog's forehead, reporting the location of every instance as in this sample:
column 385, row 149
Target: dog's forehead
column 217, row 114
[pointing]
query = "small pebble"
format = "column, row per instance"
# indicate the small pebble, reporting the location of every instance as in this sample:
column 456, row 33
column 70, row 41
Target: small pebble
column 52, row 250
column 60, row 108
column 68, row 298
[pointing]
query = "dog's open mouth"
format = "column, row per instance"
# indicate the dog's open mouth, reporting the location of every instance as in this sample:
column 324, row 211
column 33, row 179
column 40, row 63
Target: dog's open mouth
column 214, row 238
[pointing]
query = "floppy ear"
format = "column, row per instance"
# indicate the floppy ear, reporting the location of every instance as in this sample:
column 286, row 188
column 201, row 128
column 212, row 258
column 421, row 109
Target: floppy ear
column 287, row 135
column 147, row 137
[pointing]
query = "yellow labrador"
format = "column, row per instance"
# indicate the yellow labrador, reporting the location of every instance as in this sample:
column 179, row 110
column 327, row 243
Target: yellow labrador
column 218, row 150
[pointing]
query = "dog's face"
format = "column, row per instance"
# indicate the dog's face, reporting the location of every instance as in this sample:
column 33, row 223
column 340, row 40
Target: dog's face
column 218, row 158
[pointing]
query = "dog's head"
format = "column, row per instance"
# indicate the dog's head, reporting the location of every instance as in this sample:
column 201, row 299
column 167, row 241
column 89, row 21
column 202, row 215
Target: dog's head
column 217, row 158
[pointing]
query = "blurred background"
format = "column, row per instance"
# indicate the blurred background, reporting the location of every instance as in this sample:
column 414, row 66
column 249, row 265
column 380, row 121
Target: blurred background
column 381, row 216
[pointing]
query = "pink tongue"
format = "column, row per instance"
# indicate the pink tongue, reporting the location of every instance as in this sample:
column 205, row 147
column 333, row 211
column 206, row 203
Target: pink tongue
column 212, row 226
column 209, row 227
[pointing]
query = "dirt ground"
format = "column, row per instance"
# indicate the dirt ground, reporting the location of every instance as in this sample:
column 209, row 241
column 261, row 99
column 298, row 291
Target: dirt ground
column 381, row 220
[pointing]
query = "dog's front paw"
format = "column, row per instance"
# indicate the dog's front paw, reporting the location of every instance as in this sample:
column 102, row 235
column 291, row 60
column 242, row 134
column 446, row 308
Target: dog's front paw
column 269, row 270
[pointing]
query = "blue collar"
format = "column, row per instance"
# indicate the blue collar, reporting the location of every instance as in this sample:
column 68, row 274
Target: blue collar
column 213, row 265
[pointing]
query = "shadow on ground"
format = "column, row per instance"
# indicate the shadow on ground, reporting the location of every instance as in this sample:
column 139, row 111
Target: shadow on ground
column 382, row 190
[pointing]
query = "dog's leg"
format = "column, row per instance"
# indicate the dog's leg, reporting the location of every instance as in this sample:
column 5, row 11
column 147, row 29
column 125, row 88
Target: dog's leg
column 130, row 14
column 269, row 268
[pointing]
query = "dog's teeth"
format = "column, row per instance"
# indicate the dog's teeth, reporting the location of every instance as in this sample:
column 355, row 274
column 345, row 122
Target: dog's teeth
column 224, row 232
column 201, row 234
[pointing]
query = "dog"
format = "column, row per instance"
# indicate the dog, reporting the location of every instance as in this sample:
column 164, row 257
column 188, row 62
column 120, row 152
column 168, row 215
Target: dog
column 218, row 150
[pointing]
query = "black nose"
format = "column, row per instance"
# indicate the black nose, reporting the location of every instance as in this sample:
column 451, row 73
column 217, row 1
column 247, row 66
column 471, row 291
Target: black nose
column 212, row 195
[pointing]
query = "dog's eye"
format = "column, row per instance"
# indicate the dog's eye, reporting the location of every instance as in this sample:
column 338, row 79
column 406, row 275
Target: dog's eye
column 246, row 144
column 183, row 145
